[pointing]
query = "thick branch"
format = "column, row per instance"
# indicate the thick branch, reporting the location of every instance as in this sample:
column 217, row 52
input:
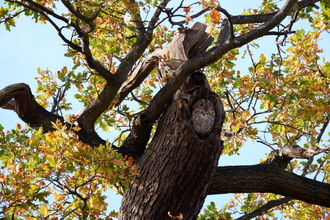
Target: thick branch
column 264, row 28
column 137, row 20
column 18, row 97
column 97, row 107
column 91, row 113
column 139, row 74
column 258, row 18
column 92, row 63
column 265, row 178
column 188, row 44
column 281, row 158
column 218, row 51
column 143, row 40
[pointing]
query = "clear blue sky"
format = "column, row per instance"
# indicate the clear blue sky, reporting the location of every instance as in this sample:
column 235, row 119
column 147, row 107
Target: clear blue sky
column 30, row 45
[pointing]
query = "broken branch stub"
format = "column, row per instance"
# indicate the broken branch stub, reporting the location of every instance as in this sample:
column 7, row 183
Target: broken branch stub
column 186, row 44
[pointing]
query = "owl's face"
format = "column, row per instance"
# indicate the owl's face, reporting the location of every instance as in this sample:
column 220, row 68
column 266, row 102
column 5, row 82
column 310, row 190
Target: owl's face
column 204, row 104
column 203, row 117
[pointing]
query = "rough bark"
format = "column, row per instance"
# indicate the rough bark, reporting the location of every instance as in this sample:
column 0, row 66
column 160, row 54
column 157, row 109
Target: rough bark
column 265, row 178
column 176, row 168
column 224, row 44
column 182, row 47
column 18, row 97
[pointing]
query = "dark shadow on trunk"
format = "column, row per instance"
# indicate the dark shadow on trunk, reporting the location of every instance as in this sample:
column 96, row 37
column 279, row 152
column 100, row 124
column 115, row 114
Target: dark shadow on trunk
column 178, row 165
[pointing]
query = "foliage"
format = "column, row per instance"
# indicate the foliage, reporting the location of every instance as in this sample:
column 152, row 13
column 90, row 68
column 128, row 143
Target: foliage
column 55, row 176
column 293, row 89
column 211, row 213
column 282, row 98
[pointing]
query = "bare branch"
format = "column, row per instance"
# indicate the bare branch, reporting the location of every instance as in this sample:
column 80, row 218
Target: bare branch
column 295, row 151
column 38, row 8
column 279, row 33
column 57, row 99
column 138, row 75
column 324, row 127
column 12, row 16
column 76, row 13
column 45, row 12
column 265, row 208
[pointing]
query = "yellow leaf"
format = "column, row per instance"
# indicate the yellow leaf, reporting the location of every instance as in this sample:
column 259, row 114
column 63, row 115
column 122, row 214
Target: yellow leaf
column 44, row 210
column 236, row 127
column 150, row 83
column 60, row 197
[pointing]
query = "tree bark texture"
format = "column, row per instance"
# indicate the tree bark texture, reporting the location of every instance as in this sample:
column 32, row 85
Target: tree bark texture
column 177, row 166
column 265, row 178
column 18, row 97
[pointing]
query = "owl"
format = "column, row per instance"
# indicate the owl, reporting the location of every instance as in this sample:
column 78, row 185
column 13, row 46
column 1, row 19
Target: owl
column 203, row 117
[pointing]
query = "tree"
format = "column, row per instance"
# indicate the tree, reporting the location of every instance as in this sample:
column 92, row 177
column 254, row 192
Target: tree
column 165, row 163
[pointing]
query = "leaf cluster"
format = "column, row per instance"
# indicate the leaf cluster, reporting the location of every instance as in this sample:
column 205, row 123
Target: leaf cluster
column 56, row 176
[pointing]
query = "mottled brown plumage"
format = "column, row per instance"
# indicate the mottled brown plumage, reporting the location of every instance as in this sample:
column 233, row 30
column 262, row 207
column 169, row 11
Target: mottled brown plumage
column 203, row 117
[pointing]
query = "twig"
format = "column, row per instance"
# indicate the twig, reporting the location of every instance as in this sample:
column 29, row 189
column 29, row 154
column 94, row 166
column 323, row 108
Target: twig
column 138, row 100
column 230, row 104
column 265, row 208
column 280, row 33
column 12, row 16
column 265, row 143
column 324, row 127
column 57, row 99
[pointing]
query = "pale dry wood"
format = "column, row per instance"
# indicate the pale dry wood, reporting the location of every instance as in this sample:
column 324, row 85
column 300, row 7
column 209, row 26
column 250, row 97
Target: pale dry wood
column 170, row 58
column 186, row 43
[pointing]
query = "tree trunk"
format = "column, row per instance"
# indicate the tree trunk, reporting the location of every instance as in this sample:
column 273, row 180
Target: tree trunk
column 177, row 167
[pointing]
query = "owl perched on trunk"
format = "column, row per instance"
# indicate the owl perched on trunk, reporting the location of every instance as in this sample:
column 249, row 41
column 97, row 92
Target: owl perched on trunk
column 203, row 117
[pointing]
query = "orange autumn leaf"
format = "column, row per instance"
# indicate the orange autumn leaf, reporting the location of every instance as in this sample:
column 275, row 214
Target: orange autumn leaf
column 215, row 16
column 186, row 9
column 130, row 161
column 132, row 7
column 150, row 83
